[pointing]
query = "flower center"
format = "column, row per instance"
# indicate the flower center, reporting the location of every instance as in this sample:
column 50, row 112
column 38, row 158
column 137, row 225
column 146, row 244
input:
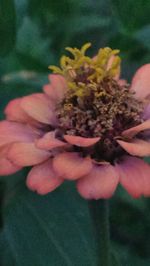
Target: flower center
column 95, row 105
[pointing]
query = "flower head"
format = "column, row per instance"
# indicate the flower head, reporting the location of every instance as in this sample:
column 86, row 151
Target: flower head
column 88, row 125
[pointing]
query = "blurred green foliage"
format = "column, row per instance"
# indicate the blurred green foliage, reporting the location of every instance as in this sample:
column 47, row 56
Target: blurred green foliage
column 7, row 26
column 55, row 229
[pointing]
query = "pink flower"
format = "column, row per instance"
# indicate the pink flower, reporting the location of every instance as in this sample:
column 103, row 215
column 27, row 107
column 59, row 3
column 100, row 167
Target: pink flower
column 86, row 126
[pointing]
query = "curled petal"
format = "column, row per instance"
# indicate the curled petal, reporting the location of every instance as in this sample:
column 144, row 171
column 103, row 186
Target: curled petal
column 101, row 182
column 131, row 132
column 48, row 142
column 80, row 141
column 39, row 107
column 57, row 88
column 137, row 147
column 141, row 82
column 71, row 166
column 26, row 154
column 13, row 132
column 43, row 179
column 134, row 176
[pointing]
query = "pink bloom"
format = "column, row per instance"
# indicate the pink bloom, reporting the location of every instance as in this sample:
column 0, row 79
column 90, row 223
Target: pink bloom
column 58, row 133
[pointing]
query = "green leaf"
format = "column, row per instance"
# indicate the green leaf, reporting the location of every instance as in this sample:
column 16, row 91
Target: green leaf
column 46, row 230
column 32, row 48
column 143, row 36
column 82, row 23
column 129, row 216
column 6, row 254
column 132, row 15
column 115, row 259
column 58, row 8
column 7, row 26
column 128, row 257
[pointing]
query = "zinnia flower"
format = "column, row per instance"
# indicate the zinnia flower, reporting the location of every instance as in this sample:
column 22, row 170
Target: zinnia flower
column 88, row 125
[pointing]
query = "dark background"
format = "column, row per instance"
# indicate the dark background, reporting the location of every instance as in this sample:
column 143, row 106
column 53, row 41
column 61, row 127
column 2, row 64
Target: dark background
column 56, row 229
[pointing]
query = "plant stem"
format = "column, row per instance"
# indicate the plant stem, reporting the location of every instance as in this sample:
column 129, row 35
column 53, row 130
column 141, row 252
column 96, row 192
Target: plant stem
column 100, row 218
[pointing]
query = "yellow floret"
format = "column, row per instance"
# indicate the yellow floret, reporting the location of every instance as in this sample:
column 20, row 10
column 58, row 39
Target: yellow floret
column 105, row 64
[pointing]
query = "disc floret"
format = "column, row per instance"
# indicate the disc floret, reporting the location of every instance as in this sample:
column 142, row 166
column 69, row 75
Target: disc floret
column 95, row 103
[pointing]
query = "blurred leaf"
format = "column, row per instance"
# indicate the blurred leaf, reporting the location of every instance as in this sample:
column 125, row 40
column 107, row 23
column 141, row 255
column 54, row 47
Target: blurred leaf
column 49, row 230
column 143, row 36
column 56, row 19
column 115, row 259
column 21, row 10
column 7, row 26
column 57, row 8
column 31, row 47
column 6, row 254
column 128, row 258
column 132, row 15
column 130, row 223
column 84, row 24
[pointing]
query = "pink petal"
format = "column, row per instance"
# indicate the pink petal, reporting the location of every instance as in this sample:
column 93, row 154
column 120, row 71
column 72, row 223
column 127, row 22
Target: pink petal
column 26, row 154
column 12, row 132
column 134, row 176
column 146, row 112
column 7, row 167
column 48, row 142
column 131, row 132
column 141, row 82
column 122, row 82
column 14, row 112
column 39, row 107
column 71, row 166
column 57, row 88
column 137, row 147
column 43, row 179
column 101, row 182
column 80, row 141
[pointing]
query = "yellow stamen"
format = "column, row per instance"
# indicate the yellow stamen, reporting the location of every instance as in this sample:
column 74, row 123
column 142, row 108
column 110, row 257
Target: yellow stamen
column 83, row 73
